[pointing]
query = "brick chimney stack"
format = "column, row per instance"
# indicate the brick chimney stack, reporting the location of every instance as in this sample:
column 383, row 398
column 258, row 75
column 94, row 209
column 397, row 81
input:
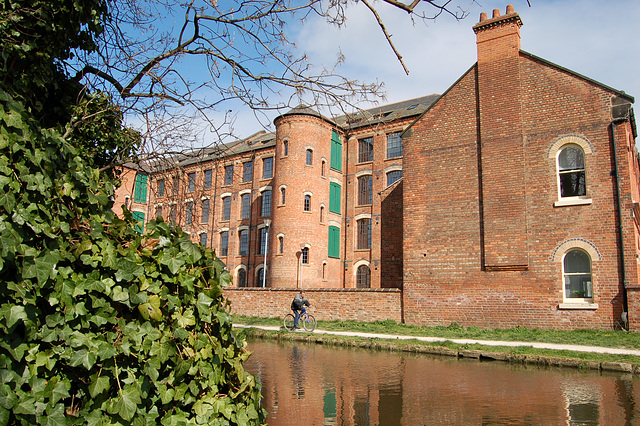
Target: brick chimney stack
column 499, row 36
column 501, row 141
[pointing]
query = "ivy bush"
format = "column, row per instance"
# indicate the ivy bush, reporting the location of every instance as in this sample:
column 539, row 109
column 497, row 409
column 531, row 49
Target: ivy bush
column 100, row 324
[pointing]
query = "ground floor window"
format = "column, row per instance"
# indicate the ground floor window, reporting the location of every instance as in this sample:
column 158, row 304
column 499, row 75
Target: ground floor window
column 578, row 284
column 261, row 277
column 363, row 277
column 242, row 278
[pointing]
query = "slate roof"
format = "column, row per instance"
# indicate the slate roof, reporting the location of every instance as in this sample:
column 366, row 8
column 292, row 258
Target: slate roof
column 385, row 113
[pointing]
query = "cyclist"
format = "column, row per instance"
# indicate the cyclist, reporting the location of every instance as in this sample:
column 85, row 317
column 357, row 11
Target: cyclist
column 298, row 307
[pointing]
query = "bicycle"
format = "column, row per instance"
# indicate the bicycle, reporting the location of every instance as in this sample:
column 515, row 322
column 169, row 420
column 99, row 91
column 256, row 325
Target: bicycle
column 308, row 321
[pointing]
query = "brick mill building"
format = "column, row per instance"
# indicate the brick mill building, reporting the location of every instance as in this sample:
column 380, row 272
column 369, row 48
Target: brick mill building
column 511, row 199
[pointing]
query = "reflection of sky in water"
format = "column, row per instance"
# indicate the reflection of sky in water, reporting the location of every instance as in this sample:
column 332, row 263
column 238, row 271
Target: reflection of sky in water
column 322, row 385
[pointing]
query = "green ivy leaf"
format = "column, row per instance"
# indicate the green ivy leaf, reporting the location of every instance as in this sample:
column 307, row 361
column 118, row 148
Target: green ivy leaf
column 98, row 385
column 127, row 270
column 84, row 357
column 174, row 264
column 15, row 314
column 128, row 402
column 42, row 267
column 151, row 309
column 185, row 320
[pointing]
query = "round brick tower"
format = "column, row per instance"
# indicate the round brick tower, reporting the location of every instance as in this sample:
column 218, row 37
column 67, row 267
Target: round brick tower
column 300, row 252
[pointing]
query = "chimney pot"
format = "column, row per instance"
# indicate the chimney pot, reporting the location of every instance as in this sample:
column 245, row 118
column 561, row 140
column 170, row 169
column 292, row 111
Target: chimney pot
column 496, row 13
column 510, row 9
column 483, row 16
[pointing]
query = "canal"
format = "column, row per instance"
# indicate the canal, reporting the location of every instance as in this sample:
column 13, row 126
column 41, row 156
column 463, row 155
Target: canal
column 309, row 384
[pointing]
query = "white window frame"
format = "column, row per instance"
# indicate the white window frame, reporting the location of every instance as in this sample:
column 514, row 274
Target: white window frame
column 594, row 255
column 554, row 152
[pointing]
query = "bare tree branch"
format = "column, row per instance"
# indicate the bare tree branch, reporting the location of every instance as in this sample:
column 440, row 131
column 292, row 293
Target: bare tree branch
column 243, row 54
column 386, row 34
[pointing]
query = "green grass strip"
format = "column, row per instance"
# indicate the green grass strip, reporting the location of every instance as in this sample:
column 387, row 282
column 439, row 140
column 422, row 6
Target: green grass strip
column 612, row 339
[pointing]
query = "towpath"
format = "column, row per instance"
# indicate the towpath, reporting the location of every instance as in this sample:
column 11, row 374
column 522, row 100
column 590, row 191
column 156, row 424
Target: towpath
column 540, row 345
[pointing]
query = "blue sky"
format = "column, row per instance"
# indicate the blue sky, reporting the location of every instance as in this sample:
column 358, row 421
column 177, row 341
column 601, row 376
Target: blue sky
column 597, row 38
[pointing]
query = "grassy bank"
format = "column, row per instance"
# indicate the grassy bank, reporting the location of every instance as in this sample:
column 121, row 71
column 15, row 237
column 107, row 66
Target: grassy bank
column 614, row 339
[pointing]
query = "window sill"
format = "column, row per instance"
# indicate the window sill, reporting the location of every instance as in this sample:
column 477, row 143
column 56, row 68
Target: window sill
column 578, row 306
column 394, row 158
column 572, row 202
column 364, row 162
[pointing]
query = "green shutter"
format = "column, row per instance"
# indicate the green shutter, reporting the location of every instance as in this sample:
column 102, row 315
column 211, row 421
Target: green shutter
column 336, row 151
column 140, row 189
column 334, row 241
column 139, row 217
column 334, row 197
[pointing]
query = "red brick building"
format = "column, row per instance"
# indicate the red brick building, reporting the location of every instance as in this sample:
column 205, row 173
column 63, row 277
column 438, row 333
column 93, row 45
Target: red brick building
column 521, row 210
column 511, row 199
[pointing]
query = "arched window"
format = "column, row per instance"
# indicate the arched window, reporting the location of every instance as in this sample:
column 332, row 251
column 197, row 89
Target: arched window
column 365, row 190
column 393, row 176
column 285, row 148
column 242, row 278
column 321, row 214
column 283, row 195
column 281, row 244
column 260, row 278
column 305, row 256
column 364, row 234
column 571, row 172
column 363, row 277
column 309, row 157
column 245, row 201
column 307, row 203
column 244, row 242
column 577, row 275
column 323, row 168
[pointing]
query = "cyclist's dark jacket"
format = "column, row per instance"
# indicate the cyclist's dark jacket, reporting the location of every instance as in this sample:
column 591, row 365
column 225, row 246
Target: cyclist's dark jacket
column 299, row 302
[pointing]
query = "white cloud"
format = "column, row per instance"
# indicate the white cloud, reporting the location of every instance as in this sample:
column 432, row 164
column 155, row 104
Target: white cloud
column 596, row 38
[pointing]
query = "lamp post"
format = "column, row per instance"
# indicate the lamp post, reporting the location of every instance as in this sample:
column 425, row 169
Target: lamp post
column 267, row 223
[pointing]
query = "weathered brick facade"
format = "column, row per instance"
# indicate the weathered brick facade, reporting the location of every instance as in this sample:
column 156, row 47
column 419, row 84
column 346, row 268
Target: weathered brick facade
column 486, row 229
column 510, row 200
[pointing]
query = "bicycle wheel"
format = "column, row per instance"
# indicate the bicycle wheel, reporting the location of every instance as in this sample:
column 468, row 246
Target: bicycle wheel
column 309, row 323
column 288, row 322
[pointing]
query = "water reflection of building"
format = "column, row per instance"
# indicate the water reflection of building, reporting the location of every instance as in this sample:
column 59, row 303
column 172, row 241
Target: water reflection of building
column 345, row 386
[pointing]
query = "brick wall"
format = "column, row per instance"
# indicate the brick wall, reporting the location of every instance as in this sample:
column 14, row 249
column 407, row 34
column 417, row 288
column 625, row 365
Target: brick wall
column 391, row 225
column 327, row 304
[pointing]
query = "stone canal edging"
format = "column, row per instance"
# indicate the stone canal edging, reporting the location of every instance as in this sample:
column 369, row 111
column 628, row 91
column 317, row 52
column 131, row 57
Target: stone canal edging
column 393, row 345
